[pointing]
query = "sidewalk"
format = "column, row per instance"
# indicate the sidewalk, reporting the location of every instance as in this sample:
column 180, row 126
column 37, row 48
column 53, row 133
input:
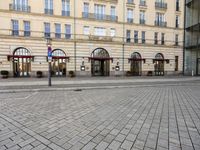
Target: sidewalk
column 32, row 84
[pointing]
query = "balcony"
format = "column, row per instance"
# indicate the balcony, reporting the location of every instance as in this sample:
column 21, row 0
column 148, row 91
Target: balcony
column 161, row 23
column 129, row 20
column 27, row 33
column 22, row 8
column 48, row 11
column 47, row 35
column 142, row 21
column 100, row 38
column 65, row 13
column 99, row 16
column 15, row 32
column 160, row 5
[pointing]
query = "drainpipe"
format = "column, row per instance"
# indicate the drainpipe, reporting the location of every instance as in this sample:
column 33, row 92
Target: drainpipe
column 75, row 36
column 123, row 45
column 184, row 39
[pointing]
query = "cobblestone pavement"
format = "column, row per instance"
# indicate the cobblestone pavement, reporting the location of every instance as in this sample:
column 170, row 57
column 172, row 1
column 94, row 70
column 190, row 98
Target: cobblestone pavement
column 164, row 117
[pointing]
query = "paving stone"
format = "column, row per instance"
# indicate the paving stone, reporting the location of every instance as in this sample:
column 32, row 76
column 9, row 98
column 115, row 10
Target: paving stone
column 127, row 145
column 102, row 146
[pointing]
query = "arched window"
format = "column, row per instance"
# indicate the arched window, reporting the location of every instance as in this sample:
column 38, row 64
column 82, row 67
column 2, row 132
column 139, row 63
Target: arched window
column 58, row 52
column 21, row 52
column 136, row 55
column 159, row 56
column 100, row 52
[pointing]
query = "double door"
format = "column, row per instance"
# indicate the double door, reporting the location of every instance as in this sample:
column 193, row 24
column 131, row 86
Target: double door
column 58, row 67
column 159, row 68
column 100, row 67
column 198, row 66
column 136, row 66
column 21, row 67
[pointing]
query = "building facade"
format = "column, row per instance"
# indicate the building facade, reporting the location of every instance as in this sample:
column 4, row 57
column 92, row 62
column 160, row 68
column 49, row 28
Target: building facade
column 92, row 37
column 192, row 38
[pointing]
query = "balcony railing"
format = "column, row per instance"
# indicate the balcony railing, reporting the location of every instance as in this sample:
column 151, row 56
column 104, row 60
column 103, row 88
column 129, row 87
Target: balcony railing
column 143, row 3
column 100, row 38
column 48, row 11
column 27, row 33
column 20, row 8
column 160, row 23
column 47, row 35
column 99, row 16
column 142, row 21
column 15, row 32
column 58, row 35
column 130, row 20
column 161, row 5
column 65, row 13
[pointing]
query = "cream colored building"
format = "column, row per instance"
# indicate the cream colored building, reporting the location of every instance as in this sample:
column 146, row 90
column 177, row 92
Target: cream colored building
column 92, row 37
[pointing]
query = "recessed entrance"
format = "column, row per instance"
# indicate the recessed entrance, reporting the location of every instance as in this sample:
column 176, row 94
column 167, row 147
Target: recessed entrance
column 100, row 62
column 58, row 66
column 21, row 62
column 159, row 64
column 136, row 64
column 198, row 66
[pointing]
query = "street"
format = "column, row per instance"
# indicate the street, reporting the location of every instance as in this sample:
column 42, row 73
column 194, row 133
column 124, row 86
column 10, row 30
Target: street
column 152, row 117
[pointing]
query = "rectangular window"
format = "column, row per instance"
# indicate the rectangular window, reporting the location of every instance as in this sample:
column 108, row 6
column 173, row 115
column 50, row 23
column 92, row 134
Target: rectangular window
column 27, row 31
column 67, row 31
column 65, row 7
column 85, row 10
column 48, row 7
column 176, row 63
column 15, row 27
column 177, row 21
column 112, row 32
column 86, row 30
column 130, row 15
column 177, row 5
column 57, row 30
column 156, row 38
column 160, row 19
column 113, row 13
column 100, row 11
column 99, row 31
column 128, row 36
column 135, row 36
column 20, row 5
column 162, row 39
column 47, row 30
column 176, row 39
column 142, row 17
column 143, row 37
column 130, row 1
column 142, row 2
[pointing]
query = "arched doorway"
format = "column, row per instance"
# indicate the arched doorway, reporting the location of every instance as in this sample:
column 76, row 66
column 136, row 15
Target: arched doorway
column 159, row 64
column 100, row 62
column 58, row 66
column 21, row 62
column 136, row 64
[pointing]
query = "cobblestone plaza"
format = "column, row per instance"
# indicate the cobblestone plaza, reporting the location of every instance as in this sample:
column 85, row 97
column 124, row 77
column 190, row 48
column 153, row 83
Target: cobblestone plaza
column 154, row 117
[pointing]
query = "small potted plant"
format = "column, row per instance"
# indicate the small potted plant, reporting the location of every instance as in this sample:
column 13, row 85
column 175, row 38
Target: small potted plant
column 39, row 74
column 4, row 73
column 71, row 74
column 128, row 73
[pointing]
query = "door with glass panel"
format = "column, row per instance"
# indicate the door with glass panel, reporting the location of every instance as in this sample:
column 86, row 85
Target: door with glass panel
column 198, row 66
column 136, row 64
column 100, row 64
column 21, row 63
column 159, row 65
column 58, row 65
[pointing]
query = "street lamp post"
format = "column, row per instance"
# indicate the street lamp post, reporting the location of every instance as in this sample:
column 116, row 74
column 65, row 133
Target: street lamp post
column 48, row 40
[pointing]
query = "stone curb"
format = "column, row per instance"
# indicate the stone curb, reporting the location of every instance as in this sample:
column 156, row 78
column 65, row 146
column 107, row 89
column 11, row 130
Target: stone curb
column 87, row 88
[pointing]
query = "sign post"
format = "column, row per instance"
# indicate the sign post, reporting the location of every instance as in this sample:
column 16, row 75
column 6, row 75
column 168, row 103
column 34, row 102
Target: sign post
column 49, row 61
